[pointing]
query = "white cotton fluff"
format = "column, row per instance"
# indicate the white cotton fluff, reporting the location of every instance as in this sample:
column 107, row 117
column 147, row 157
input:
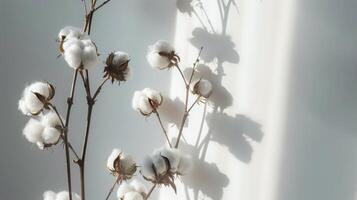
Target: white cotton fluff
column 203, row 87
column 134, row 190
column 133, row 195
column 80, row 53
column 120, row 58
column 126, row 161
column 70, row 31
column 139, row 186
column 153, row 95
column 173, row 155
column 124, row 188
column 112, row 157
column 33, row 131
column 51, row 119
column 29, row 103
column 49, row 195
column 159, row 164
column 155, row 59
column 64, row 195
column 185, row 164
column 141, row 103
column 147, row 168
column 141, row 100
column 50, row 135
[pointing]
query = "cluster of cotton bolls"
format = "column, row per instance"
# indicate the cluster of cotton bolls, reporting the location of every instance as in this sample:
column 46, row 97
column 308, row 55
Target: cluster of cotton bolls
column 146, row 101
column 121, row 165
column 44, row 130
column 77, row 48
column 133, row 190
column 35, row 97
column 63, row 195
column 163, row 164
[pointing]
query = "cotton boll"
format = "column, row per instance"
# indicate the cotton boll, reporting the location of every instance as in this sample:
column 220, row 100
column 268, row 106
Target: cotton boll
column 159, row 164
column 155, row 59
column 33, row 131
column 203, row 88
column 153, row 95
column 80, row 53
column 29, row 103
column 185, row 165
column 49, row 195
column 133, row 195
column 51, row 119
column 147, row 169
column 50, row 135
column 124, row 188
column 173, row 155
column 112, row 157
column 141, row 103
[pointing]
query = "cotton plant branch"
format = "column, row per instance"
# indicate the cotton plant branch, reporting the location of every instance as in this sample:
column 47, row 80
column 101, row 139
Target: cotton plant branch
column 68, row 114
column 187, row 92
column 163, row 128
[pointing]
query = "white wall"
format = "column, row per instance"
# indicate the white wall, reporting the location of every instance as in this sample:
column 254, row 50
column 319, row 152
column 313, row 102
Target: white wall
column 281, row 124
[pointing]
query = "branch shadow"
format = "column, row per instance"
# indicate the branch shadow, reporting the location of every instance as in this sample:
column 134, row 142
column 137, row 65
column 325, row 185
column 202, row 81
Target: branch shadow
column 234, row 132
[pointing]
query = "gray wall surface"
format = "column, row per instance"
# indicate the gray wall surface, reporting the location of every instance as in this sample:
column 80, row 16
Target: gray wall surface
column 28, row 52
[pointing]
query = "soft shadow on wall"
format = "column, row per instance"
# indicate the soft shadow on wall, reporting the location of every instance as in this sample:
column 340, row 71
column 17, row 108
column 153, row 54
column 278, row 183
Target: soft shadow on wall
column 232, row 132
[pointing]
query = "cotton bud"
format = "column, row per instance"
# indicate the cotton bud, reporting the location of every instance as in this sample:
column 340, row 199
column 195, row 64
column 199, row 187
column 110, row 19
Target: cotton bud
column 117, row 66
column 203, row 88
column 134, row 190
column 64, row 195
column 121, row 165
column 161, row 55
column 35, row 98
column 146, row 101
column 80, row 54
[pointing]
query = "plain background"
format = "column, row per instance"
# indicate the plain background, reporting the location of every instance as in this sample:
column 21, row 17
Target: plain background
column 28, row 53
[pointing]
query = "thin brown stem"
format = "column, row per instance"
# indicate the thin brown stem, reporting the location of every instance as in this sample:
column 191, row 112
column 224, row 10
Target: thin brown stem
column 163, row 128
column 112, row 188
column 54, row 108
column 194, row 103
column 195, row 65
column 150, row 192
column 181, row 73
column 69, row 106
column 81, row 162
column 101, row 5
column 99, row 88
